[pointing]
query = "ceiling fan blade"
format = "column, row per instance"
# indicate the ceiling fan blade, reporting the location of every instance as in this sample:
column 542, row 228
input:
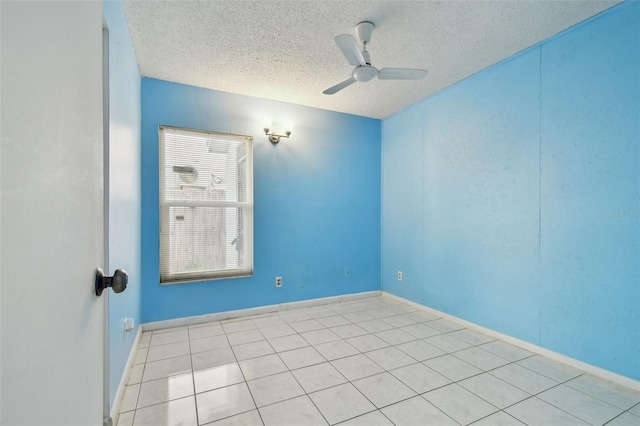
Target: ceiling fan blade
column 401, row 74
column 339, row 86
column 350, row 49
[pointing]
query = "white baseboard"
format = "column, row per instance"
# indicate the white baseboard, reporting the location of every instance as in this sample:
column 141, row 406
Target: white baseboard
column 199, row 319
column 572, row 362
column 117, row 400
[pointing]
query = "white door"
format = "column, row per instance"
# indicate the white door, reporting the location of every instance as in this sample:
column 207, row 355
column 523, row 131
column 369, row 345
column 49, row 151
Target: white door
column 51, row 213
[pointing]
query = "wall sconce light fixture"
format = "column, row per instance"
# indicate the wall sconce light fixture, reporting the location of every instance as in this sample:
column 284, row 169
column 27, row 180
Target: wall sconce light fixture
column 275, row 138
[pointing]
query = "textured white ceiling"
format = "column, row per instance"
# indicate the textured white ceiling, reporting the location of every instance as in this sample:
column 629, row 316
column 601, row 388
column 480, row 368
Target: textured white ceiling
column 284, row 50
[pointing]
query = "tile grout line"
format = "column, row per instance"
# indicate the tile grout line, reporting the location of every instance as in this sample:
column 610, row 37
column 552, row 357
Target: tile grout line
column 193, row 377
column 304, row 390
column 246, row 382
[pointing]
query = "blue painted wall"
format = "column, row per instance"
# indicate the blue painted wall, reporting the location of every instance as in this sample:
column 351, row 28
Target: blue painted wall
column 316, row 195
column 124, row 188
column 512, row 199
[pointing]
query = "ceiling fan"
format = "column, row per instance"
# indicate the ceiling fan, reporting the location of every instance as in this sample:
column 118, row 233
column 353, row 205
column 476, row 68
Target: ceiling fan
column 363, row 70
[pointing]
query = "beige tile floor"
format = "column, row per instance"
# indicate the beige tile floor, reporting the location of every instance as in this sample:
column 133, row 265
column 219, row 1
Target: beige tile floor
column 370, row 362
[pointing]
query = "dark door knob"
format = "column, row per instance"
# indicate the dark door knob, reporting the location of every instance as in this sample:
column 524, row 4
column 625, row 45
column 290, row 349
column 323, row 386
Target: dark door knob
column 118, row 282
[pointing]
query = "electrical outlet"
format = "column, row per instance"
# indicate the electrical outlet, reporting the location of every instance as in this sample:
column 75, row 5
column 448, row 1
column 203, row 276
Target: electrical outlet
column 128, row 324
column 399, row 275
column 347, row 272
column 278, row 281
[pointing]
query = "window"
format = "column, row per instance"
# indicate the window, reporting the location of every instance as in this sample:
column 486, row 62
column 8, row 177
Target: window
column 206, row 205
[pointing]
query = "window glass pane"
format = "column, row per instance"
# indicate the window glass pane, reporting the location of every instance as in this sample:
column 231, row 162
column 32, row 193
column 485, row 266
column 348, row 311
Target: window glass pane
column 204, row 239
column 204, row 167
column 206, row 219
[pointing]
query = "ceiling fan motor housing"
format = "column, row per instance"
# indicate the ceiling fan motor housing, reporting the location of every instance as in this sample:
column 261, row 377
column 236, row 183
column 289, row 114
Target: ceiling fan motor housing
column 364, row 73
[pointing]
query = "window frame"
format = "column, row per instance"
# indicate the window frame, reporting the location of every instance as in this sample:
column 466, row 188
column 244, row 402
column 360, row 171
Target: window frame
column 164, row 208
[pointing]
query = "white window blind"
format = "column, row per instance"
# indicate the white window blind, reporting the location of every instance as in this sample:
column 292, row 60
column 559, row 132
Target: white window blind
column 206, row 205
